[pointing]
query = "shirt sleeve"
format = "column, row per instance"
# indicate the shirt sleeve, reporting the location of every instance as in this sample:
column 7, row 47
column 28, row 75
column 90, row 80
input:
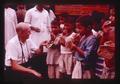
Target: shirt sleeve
column 28, row 17
column 11, row 52
column 52, row 15
column 32, row 45
column 89, row 47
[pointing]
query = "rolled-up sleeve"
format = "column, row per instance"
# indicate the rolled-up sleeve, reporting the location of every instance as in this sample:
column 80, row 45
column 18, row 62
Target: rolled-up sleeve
column 11, row 52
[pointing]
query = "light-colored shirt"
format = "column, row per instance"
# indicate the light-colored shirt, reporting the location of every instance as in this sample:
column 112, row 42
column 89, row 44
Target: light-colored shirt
column 40, row 20
column 52, row 15
column 65, row 49
column 10, row 20
column 14, row 51
column 95, row 33
column 53, row 53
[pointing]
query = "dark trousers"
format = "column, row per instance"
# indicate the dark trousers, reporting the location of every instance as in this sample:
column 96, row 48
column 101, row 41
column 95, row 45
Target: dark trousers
column 10, row 75
column 37, row 63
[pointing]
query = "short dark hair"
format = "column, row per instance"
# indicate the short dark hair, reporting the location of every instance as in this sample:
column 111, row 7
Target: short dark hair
column 55, row 22
column 97, row 16
column 85, row 21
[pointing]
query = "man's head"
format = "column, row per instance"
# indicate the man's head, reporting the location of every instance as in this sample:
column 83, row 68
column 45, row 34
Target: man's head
column 21, row 6
column 40, row 6
column 23, row 30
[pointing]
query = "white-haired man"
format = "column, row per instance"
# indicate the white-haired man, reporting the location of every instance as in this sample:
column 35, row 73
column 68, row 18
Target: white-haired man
column 18, row 53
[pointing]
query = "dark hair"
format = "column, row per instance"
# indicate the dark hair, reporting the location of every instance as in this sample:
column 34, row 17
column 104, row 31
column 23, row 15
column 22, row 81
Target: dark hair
column 85, row 21
column 97, row 16
column 55, row 22
column 69, row 21
column 64, row 14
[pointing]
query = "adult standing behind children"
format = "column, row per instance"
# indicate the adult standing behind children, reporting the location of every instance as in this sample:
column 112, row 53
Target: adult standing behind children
column 21, row 11
column 10, row 22
column 51, row 13
column 39, row 18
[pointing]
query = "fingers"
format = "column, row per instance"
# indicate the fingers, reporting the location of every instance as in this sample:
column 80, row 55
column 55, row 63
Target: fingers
column 37, row 74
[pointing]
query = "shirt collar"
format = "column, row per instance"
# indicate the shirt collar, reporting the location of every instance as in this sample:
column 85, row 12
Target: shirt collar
column 21, row 41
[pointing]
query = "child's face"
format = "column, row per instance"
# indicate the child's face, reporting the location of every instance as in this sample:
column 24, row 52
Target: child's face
column 55, row 28
column 67, row 28
column 79, row 28
column 61, row 19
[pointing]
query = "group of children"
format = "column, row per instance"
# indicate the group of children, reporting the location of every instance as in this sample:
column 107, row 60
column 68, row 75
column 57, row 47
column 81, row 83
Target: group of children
column 73, row 50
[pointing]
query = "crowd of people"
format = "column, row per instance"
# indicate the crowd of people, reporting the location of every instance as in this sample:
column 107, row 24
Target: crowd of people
column 40, row 44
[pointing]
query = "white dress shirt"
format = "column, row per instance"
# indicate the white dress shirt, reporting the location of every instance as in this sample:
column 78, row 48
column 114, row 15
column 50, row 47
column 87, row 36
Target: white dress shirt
column 40, row 20
column 14, row 50
column 52, row 15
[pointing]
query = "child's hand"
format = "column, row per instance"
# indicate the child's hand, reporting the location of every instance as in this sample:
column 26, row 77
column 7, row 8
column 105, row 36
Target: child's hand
column 74, row 61
column 45, row 43
column 73, row 46
column 52, row 37
column 62, row 41
column 38, row 51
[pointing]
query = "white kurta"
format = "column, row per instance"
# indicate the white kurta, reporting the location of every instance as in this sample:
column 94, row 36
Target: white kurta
column 40, row 20
column 10, row 19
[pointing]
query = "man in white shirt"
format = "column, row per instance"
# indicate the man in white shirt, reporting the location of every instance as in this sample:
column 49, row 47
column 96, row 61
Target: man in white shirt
column 10, row 20
column 38, row 17
column 18, row 53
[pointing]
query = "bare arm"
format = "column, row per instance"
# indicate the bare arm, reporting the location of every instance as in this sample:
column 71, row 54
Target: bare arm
column 80, row 51
column 20, row 68
column 35, row 29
